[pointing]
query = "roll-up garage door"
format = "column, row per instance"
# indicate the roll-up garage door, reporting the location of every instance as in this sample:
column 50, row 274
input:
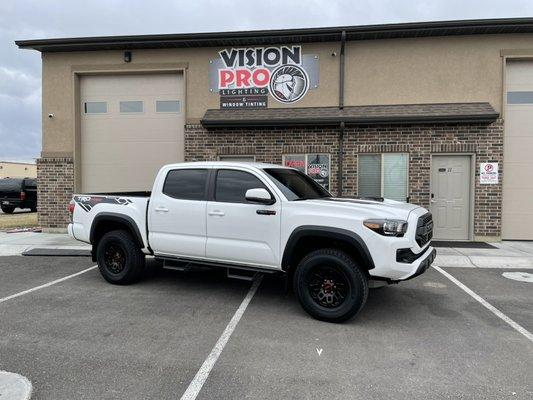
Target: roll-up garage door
column 518, row 143
column 131, row 125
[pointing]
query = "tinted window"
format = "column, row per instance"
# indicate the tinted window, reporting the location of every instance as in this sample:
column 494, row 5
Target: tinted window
column 186, row 184
column 295, row 185
column 231, row 186
column 9, row 185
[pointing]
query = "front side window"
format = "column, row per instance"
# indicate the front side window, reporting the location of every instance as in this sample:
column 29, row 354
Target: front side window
column 186, row 184
column 383, row 175
column 231, row 185
column 317, row 166
column 295, row 185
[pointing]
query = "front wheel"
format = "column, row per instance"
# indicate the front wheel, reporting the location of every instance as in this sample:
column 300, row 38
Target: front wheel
column 120, row 259
column 330, row 285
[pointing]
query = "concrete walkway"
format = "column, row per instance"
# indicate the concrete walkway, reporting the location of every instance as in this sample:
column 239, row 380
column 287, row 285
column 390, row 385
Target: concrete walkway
column 505, row 255
column 508, row 254
column 14, row 244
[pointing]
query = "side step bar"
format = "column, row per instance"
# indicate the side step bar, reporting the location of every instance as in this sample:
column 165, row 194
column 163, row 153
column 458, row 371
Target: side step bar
column 233, row 272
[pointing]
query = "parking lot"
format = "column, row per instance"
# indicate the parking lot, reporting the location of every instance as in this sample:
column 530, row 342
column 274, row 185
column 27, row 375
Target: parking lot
column 82, row 338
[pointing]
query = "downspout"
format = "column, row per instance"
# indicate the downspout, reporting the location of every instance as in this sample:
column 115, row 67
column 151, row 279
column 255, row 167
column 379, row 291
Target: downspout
column 341, row 106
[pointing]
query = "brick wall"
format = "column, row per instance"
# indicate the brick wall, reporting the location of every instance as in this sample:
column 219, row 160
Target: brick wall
column 420, row 141
column 55, row 184
column 56, row 175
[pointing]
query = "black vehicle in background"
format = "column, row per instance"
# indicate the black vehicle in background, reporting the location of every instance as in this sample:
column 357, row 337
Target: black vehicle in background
column 18, row 193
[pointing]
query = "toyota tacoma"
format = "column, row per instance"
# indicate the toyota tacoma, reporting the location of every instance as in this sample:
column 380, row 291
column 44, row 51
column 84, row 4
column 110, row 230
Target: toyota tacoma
column 252, row 217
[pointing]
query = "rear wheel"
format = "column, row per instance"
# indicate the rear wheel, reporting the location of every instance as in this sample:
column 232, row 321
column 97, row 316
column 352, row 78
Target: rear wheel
column 120, row 259
column 7, row 209
column 330, row 285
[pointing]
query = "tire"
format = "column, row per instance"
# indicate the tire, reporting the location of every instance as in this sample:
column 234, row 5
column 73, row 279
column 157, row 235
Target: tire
column 120, row 259
column 8, row 210
column 330, row 285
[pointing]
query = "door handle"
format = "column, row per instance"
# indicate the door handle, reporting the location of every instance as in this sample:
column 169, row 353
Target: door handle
column 161, row 209
column 216, row 213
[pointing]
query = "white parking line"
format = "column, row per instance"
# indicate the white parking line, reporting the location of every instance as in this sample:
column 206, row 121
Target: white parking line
column 13, row 296
column 519, row 328
column 203, row 373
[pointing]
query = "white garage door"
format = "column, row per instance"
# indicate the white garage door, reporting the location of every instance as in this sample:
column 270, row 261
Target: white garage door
column 131, row 125
column 518, row 144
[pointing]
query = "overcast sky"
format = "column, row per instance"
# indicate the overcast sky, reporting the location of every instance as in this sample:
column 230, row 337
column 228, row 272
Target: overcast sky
column 20, row 70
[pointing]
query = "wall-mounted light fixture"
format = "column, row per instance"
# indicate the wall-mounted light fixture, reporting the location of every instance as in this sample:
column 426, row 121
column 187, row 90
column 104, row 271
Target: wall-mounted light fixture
column 127, row 56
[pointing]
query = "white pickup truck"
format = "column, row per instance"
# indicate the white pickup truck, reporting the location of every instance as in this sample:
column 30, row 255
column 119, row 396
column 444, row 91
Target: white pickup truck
column 261, row 218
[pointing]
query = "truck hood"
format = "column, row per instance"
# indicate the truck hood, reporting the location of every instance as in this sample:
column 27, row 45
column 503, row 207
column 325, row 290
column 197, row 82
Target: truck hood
column 379, row 209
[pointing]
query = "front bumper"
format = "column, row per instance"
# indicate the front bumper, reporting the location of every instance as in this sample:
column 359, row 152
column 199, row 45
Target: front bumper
column 424, row 264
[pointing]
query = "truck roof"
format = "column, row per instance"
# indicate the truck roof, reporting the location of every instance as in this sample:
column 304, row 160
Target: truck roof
column 225, row 164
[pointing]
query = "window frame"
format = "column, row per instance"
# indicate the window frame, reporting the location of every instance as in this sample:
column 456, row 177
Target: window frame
column 206, row 185
column 213, row 186
column 306, row 156
column 382, row 172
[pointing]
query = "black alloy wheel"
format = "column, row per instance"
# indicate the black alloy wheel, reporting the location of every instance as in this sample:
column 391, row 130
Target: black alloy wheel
column 330, row 285
column 120, row 258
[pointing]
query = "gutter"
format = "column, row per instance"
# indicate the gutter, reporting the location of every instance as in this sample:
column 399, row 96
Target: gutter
column 341, row 107
column 353, row 121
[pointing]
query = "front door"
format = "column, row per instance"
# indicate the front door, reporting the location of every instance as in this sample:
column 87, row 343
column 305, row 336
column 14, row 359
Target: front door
column 450, row 196
column 240, row 231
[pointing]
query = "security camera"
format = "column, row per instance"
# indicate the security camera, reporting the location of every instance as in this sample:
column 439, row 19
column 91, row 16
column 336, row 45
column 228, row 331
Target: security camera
column 50, row 115
column 333, row 54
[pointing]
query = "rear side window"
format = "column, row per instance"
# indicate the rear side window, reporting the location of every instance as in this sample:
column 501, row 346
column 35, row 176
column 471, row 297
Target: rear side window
column 231, row 186
column 186, row 184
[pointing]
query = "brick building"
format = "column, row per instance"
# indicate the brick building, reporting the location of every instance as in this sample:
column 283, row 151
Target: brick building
column 438, row 114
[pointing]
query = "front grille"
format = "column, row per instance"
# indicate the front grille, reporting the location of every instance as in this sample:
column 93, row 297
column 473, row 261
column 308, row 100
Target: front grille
column 424, row 229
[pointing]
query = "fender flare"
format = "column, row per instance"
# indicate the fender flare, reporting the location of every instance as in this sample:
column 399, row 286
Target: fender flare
column 114, row 217
column 352, row 238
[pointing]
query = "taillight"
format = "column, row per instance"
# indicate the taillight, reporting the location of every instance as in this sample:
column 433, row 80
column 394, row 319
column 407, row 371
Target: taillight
column 71, row 207
column 23, row 195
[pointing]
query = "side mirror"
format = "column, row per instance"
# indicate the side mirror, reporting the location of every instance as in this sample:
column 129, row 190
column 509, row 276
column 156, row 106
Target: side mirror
column 260, row 196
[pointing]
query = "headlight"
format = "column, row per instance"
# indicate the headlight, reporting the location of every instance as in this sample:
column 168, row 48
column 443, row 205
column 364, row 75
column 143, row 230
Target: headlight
column 387, row 227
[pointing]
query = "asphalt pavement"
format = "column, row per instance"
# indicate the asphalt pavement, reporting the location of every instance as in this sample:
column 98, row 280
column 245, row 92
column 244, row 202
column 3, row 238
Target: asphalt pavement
column 83, row 338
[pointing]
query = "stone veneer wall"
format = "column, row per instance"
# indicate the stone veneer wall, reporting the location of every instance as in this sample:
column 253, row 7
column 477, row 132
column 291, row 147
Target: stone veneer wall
column 55, row 185
column 420, row 141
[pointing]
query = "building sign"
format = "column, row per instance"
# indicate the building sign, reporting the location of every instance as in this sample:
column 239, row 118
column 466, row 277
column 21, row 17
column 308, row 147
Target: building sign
column 282, row 72
column 243, row 101
column 488, row 173
column 317, row 166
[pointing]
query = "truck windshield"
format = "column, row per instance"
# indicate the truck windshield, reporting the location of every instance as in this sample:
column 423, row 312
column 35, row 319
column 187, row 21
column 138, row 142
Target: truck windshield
column 295, row 185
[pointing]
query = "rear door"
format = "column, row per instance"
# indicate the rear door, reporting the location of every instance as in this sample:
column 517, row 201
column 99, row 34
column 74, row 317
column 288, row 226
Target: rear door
column 177, row 213
column 237, row 230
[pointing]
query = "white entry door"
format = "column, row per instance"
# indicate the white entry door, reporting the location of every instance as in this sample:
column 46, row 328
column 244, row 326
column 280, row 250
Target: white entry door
column 450, row 196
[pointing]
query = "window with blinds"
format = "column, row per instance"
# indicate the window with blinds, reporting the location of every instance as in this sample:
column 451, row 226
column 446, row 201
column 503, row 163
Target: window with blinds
column 383, row 175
